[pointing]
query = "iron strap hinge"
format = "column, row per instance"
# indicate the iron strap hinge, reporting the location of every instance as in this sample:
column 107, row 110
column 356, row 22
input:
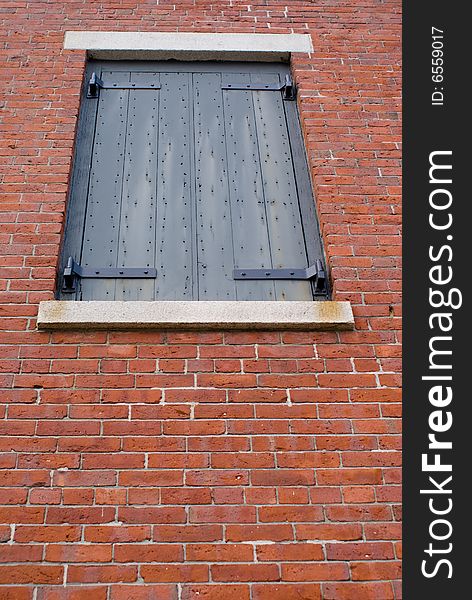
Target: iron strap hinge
column 288, row 88
column 95, row 83
column 315, row 272
column 73, row 270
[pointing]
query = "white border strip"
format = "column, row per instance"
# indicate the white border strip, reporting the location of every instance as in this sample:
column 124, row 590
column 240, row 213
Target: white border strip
column 55, row 314
column 153, row 44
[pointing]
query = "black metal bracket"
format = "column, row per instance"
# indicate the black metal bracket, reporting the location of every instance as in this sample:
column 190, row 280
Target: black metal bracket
column 73, row 270
column 95, row 84
column 288, row 89
column 315, row 272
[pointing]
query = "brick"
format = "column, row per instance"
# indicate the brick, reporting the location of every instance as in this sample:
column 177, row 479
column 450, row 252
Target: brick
column 152, row 515
column 13, row 496
column 88, row 444
column 90, row 514
column 285, row 495
column 24, row 478
column 188, row 533
column 382, row 531
column 367, row 571
column 257, row 395
column 48, row 461
column 290, row 513
column 226, row 381
column 150, row 478
column 144, row 553
column 194, row 427
column 319, row 395
column 219, row 552
column 287, row 591
column 16, row 593
column 186, row 496
column 232, row 495
column 21, row 514
column 199, row 394
column 223, row 444
column 217, row 477
column 79, row 496
column 282, row 443
column 215, row 592
column 77, row 553
column 359, row 551
column 130, row 396
column 315, row 572
column 347, row 591
column 177, row 573
column 241, row 572
column 73, row 593
column 308, row 459
column 283, row 477
column 144, row 592
column 273, row 533
column 187, row 460
column 212, row 411
column 177, row 411
column 359, row 513
column 330, row 531
column 346, row 442
column 5, row 533
column 84, row 478
column 222, row 514
column 289, row 552
column 47, row 533
column 110, row 496
column 153, row 444
column 347, row 381
column 21, row 553
column 115, row 533
column 102, row 573
column 358, row 494
column 348, row 476
column 31, row 573
column 325, row 495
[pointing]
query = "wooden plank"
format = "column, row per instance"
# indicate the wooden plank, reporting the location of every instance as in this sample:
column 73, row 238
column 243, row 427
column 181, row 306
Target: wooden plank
column 137, row 232
column 102, row 224
column 175, row 227
column 281, row 198
column 249, row 220
column 213, row 211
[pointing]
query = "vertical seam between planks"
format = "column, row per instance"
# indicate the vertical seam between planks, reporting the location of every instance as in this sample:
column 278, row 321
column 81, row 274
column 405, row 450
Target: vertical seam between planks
column 127, row 92
column 193, row 187
column 227, row 183
column 156, row 195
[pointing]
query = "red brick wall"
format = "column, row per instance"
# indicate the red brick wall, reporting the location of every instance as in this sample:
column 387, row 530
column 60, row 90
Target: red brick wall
column 209, row 465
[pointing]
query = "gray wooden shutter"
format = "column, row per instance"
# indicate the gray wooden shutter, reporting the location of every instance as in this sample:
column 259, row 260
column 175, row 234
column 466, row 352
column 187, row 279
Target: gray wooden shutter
column 179, row 171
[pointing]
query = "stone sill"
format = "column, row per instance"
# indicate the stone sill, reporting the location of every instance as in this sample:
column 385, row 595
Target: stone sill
column 330, row 315
column 155, row 45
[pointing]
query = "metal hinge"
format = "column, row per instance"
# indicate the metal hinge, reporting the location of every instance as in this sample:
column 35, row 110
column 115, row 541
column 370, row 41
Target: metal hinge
column 73, row 270
column 315, row 272
column 288, row 88
column 95, row 84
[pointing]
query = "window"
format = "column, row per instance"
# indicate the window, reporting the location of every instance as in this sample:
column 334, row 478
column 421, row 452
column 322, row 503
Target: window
column 190, row 182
